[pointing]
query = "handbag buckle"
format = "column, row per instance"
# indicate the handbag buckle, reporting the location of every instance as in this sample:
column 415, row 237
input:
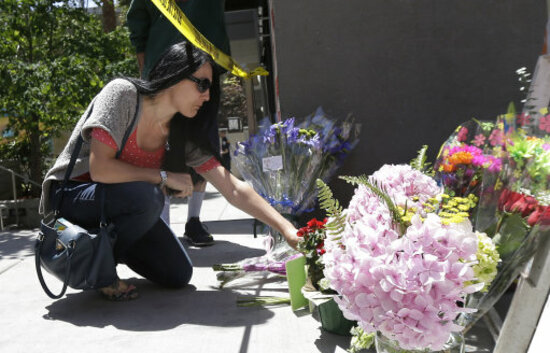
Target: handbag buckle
column 59, row 246
column 72, row 244
column 40, row 236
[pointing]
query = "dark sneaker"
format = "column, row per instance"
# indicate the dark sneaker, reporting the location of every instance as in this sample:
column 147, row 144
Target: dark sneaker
column 196, row 234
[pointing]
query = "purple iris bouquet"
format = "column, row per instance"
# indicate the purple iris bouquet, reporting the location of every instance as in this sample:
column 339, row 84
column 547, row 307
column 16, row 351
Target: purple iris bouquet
column 283, row 160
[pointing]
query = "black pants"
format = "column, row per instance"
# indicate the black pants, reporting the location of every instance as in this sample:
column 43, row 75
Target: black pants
column 144, row 242
column 226, row 161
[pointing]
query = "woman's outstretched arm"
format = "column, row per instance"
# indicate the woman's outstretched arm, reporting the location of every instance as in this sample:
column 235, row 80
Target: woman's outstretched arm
column 241, row 195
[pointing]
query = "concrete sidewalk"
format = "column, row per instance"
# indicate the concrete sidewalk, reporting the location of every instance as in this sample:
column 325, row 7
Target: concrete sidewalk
column 199, row 318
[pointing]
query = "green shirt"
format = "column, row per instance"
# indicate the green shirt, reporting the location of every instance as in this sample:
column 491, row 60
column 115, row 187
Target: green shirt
column 151, row 32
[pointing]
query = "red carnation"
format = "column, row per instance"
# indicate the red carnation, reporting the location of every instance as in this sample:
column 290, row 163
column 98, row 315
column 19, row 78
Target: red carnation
column 314, row 224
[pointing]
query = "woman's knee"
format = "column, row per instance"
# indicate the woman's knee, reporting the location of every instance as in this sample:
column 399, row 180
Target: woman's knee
column 181, row 278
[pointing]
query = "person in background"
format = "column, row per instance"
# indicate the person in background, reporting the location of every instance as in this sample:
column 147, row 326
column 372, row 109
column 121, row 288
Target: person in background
column 151, row 33
column 225, row 150
column 133, row 184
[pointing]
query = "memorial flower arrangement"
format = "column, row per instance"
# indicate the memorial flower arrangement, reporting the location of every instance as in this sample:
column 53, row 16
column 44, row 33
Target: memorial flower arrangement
column 283, row 160
column 273, row 262
column 522, row 213
column 401, row 258
column 312, row 245
column 461, row 168
column 469, row 165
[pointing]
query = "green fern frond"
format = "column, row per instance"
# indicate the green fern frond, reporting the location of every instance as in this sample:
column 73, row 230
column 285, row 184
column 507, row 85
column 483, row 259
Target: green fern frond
column 332, row 207
column 378, row 191
column 356, row 180
column 419, row 163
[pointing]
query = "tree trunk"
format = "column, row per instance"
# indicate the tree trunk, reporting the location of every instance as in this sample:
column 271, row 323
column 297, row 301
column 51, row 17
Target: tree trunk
column 35, row 158
column 108, row 15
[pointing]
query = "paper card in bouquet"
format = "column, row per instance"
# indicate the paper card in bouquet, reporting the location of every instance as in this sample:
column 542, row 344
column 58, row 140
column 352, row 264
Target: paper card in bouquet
column 272, row 163
column 296, row 277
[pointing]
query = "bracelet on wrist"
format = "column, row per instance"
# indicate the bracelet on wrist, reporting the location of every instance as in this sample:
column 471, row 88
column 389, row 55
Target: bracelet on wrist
column 163, row 178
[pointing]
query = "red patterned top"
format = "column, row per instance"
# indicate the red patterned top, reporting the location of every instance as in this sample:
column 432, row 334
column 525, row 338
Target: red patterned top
column 134, row 155
column 208, row 165
column 131, row 153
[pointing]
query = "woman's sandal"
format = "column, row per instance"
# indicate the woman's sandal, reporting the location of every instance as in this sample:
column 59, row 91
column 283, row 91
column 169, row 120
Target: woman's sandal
column 117, row 293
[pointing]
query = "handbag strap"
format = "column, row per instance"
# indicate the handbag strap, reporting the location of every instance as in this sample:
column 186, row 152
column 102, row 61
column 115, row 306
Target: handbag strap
column 78, row 146
column 69, row 252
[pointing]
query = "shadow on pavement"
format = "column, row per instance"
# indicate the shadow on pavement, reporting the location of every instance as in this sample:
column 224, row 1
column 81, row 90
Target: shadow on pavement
column 327, row 342
column 157, row 309
column 237, row 226
column 15, row 244
column 220, row 253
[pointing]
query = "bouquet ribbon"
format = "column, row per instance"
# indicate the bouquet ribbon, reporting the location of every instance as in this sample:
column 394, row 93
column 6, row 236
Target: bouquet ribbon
column 175, row 15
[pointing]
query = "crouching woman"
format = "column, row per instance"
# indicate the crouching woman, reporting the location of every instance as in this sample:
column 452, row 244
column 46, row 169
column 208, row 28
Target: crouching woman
column 162, row 140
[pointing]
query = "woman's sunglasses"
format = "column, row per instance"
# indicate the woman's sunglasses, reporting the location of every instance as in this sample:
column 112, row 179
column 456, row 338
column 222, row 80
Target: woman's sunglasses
column 203, row 84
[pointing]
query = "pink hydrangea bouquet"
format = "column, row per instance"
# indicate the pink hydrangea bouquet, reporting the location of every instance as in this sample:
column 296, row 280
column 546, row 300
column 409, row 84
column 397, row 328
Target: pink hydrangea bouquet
column 401, row 260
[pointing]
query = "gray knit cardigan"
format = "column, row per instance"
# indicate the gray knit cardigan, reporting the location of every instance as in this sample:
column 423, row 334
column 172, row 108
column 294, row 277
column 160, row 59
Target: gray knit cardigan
column 113, row 110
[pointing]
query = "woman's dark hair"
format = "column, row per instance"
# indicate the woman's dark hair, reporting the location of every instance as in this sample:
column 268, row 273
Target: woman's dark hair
column 177, row 63
column 202, row 130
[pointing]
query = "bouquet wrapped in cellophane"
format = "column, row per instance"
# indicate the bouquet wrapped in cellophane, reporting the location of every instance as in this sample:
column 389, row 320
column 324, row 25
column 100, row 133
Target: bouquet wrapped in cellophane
column 469, row 165
column 283, row 160
column 259, row 268
column 273, row 262
column 504, row 167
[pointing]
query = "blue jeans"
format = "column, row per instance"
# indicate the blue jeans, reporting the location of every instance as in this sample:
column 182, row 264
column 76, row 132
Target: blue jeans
column 144, row 242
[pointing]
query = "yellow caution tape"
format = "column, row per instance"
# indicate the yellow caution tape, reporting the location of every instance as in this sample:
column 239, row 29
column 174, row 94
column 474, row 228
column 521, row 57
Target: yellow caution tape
column 182, row 23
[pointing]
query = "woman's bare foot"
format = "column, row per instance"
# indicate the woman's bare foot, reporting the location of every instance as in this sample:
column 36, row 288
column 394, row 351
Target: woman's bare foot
column 119, row 291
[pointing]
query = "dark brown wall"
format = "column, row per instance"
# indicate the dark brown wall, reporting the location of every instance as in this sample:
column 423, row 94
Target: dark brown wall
column 409, row 70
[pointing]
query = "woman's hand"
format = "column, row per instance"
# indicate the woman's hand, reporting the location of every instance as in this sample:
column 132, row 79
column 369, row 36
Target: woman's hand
column 181, row 182
column 241, row 195
column 291, row 237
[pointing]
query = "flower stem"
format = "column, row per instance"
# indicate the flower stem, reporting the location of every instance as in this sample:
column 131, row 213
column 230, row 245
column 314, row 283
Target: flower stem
column 227, row 267
column 257, row 301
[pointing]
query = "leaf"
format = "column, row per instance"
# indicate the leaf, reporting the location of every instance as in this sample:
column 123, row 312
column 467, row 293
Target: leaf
column 419, row 163
column 332, row 207
column 54, row 59
column 510, row 235
column 378, row 191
